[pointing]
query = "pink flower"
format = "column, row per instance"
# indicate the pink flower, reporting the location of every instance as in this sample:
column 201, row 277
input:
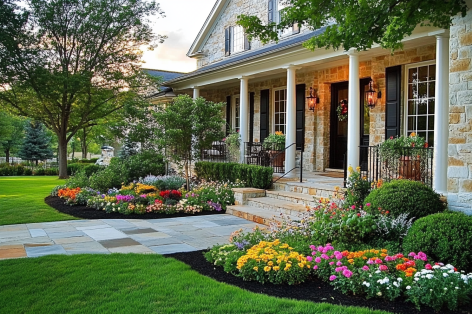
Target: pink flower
column 309, row 258
column 347, row 273
column 318, row 259
column 422, row 256
column 313, row 253
column 339, row 264
column 378, row 261
column 353, row 206
column 368, row 204
column 428, row 266
column 324, row 256
column 315, row 267
column 331, row 263
column 370, row 262
column 365, row 267
column 383, row 267
column 412, row 254
column 332, row 277
column 313, row 248
column 339, row 256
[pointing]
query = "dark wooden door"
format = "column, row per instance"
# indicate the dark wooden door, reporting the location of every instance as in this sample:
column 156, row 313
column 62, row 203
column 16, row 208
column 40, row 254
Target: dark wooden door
column 338, row 129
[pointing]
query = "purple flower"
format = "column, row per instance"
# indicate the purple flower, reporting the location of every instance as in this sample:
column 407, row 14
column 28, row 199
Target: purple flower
column 332, row 277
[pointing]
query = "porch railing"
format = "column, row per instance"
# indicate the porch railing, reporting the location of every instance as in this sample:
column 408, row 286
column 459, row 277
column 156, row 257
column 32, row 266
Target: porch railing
column 268, row 155
column 217, row 153
column 414, row 163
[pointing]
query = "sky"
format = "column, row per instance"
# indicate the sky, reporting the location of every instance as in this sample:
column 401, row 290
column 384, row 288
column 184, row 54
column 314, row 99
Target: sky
column 183, row 21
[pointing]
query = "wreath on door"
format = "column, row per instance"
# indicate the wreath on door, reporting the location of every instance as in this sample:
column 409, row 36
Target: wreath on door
column 342, row 110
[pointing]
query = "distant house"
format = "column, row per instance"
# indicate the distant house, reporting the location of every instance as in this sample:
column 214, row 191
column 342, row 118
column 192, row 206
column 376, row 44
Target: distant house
column 165, row 94
column 424, row 88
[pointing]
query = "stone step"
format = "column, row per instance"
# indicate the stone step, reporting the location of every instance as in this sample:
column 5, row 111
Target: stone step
column 294, row 197
column 256, row 214
column 307, row 188
column 276, row 206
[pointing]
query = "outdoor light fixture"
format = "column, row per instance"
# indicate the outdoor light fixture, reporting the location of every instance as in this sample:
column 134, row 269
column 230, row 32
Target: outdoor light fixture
column 370, row 95
column 312, row 100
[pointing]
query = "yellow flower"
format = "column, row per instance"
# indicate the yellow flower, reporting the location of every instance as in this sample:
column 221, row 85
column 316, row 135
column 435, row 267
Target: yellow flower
column 300, row 265
column 276, row 268
column 413, row 134
column 358, row 169
column 267, row 268
column 350, row 169
column 278, row 133
column 270, row 263
column 256, row 268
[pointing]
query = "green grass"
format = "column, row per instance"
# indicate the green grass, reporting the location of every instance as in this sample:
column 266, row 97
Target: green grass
column 131, row 283
column 22, row 200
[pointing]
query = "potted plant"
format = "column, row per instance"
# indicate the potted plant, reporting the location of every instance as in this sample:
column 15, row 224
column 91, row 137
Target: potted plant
column 233, row 142
column 404, row 154
column 275, row 144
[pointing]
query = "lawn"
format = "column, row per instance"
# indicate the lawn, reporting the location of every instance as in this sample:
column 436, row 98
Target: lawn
column 131, row 283
column 22, row 200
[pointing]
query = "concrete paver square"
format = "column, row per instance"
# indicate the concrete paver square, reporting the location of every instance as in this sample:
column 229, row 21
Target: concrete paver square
column 118, row 243
column 199, row 234
column 73, row 240
column 14, row 234
column 104, row 234
column 119, row 223
column 9, row 228
column 205, row 224
column 138, row 230
column 12, row 253
column 84, row 248
column 173, row 248
column 37, row 244
column 13, row 246
column 102, row 226
column 37, row 233
column 154, row 235
column 160, row 241
column 44, row 250
column 132, row 249
column 72, row 234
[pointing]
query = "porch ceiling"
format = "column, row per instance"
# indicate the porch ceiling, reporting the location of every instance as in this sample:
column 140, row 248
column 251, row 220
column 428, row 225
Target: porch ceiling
column 274, row 65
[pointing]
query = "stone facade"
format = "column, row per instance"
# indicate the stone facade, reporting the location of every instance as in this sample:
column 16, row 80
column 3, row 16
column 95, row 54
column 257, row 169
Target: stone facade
column 460, row 115
column 317, row 124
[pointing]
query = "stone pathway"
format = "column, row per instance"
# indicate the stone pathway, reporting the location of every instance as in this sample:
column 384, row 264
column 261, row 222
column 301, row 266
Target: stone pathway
column 162, row 236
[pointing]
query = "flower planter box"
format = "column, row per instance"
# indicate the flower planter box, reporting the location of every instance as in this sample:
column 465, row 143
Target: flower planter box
column 410, row 168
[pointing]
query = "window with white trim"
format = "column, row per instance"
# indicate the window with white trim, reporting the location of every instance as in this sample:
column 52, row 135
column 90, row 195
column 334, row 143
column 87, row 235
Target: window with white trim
column 237, row 35
column 420, row 100
column 280, row 110
column 281, row 5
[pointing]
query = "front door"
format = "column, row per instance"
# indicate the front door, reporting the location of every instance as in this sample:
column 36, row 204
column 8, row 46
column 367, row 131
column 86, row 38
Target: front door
column 338, row 130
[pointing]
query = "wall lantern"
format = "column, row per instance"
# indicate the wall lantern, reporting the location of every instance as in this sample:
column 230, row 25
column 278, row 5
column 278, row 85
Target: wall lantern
column 370, row 95
column 312, row 100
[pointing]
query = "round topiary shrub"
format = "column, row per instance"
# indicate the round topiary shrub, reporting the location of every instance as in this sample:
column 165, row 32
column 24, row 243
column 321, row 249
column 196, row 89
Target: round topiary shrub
column 445, row 237
column 404, row 196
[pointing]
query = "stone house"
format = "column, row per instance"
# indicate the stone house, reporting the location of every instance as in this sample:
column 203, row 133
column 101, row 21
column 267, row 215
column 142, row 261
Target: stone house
column 424, row 88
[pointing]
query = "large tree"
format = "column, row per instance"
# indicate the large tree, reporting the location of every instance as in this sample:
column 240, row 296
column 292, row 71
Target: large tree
column 68, row 63
column 13, row 133
column 357, row 23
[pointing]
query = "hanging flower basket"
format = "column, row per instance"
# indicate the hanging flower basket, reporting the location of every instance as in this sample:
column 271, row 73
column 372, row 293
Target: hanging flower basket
column 342, row 110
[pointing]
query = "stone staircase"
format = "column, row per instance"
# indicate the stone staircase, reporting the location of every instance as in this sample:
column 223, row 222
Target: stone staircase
column 286, row 198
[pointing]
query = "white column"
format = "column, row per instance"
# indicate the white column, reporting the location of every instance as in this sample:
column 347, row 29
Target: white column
column 291, row 119
column 243, row 113
column 353, row 112
column 441, row 114
column 196, row 92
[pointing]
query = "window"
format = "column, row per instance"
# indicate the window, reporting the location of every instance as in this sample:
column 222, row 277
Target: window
column 276, row 12
column 420, row 100
column 280, row 109
column 236, row 115
column 237, row 35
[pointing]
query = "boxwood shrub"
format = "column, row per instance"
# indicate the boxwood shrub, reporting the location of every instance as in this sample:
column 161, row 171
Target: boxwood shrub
column 404, row 196
column 446, row 237
column 253, row 176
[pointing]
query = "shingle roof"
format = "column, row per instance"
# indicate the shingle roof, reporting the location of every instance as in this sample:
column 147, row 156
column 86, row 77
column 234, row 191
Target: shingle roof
column 166, row 75
column 265, row 50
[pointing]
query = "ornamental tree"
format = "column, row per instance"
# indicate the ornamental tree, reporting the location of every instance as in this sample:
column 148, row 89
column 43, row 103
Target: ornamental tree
column 36, row 145
column 357, row 23
column 69, row 63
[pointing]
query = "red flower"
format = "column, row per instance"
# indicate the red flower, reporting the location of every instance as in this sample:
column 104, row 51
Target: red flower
column 426, row 145
column 164, row 194
column 391, row 137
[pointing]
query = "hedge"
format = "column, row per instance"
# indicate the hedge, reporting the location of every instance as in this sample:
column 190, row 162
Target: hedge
column 253, row 176
column 23, row 171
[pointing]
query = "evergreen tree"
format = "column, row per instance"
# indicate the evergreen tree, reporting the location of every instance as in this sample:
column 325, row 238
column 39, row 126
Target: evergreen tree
column 129, row 148
column 37, row 143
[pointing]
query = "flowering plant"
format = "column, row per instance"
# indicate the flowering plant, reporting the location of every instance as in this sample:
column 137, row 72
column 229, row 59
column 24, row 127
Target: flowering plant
column 275, row 141
column 273, row 262
column 69, row 194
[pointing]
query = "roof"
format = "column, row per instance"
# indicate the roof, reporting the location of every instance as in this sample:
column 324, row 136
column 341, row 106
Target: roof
column 290, row 42
column 166, row 75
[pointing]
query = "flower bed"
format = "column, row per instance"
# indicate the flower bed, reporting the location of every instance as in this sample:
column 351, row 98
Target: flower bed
column 144, row 197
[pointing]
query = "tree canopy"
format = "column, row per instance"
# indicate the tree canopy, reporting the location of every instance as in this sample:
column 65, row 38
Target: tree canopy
column 357, row 23
column 68, row 63
column 11, row 133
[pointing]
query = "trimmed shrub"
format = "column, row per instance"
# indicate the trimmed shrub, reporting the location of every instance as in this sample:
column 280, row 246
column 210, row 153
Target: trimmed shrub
column 446, row 237
column 12, row 170
column 74, row 167
column 252, row 176
column 403, row 196
column 91, row 169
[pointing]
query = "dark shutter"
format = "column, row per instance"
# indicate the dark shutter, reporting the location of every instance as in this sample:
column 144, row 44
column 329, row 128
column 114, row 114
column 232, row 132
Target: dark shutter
column 228, row 41
column 247, row 43
column 393, row 100
column 228, row 114
column 271, row 11
column 251, row 117
column 300, row 101
column 264, row 114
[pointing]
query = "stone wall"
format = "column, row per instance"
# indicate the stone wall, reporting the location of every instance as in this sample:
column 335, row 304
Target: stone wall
column 317, row 123
column 460, row 115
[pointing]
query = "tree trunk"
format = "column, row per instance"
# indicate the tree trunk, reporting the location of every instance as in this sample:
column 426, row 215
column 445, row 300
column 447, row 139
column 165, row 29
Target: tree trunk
column 62, row 145
column 36, row 162
column 7, row 156
column 83, row 144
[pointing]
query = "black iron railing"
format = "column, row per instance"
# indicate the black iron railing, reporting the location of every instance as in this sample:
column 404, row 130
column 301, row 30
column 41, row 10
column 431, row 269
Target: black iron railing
column 267, row 155
column 217, row 153
column 414, row 163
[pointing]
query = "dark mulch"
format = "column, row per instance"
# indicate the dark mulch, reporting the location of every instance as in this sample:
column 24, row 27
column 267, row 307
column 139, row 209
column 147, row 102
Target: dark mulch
column 84, row 212
column 314, row 290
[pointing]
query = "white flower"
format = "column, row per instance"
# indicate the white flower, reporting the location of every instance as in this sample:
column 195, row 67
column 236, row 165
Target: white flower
column 370, row 275
column 379, row 294
column 399, row 279
column 429, row 276
column 451, row 271
column 457, row 288
column 445, row 275
column 449, row 266
column 377, row 272
column 431, row 290
column 445, row 288
column 396, row 284
column 365, row 283
column 436, row 267
column 416, row 279
column 408, row 287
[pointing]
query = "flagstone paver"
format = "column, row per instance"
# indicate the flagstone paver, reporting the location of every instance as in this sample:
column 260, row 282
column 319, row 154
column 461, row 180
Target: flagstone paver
column 161, row 236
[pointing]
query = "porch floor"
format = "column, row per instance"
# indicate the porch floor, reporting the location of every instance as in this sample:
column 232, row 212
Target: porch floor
column 309, row 177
